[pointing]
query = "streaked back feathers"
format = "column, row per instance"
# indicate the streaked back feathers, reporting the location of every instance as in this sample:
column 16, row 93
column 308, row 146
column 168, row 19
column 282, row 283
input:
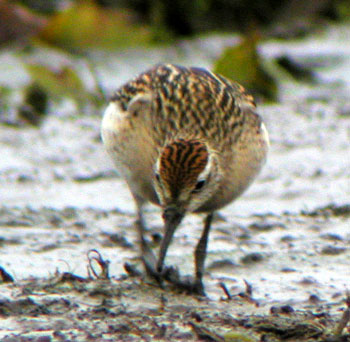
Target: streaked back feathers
column 192, row 101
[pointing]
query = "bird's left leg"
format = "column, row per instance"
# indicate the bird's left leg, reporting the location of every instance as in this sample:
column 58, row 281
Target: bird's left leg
column 200, row 255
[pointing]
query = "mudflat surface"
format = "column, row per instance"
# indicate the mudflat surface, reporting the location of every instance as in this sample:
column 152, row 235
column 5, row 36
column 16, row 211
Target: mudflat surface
column 281, row 250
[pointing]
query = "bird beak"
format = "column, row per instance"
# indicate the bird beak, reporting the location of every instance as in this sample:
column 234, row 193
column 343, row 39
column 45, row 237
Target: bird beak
column 172, row 218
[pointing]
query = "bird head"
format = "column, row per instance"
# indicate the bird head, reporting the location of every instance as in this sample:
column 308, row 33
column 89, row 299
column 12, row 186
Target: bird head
column 185, row 175
column 185, row 178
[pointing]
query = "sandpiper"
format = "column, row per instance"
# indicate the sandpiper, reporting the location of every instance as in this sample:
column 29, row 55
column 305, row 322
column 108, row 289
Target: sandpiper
column 185, row 139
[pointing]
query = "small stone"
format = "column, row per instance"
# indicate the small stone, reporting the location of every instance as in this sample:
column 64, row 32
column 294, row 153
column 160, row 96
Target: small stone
column 266, row 226
column 332, row 237
column 120, row 240
column 220, row 264
column 288, row 238
column 283, row 309
column 288, row 270
column 252, row 258
column 55, row 220
column 314, row 299
column 22, row 178
column 79, row 224
column 308, row 281
column 332, row 250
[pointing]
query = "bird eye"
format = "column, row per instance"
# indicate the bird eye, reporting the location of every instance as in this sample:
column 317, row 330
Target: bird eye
column 199, row 186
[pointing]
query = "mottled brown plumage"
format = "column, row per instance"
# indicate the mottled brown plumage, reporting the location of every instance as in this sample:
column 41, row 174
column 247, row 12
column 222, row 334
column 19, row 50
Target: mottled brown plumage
column 186, row 139
column 180, row 164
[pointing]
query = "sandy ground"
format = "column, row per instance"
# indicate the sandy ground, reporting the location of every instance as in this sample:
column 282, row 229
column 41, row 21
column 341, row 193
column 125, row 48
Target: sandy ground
column 287, row 237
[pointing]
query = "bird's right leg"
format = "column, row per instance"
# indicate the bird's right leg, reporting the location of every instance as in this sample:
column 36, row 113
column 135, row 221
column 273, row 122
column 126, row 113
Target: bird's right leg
column 148, row 258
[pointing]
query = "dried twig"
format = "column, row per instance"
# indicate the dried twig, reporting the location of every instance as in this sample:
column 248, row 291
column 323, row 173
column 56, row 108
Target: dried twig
column 104, row 264
column 226, row 291
column 5, row 277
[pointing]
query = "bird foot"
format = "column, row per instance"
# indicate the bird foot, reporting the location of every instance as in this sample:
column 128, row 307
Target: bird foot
column 172, row 276
column 167, row 274
column 183, row 283
column 189, row 285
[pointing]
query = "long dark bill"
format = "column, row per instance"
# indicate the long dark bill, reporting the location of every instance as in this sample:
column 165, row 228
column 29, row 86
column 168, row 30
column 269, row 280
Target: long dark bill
column 172, row 218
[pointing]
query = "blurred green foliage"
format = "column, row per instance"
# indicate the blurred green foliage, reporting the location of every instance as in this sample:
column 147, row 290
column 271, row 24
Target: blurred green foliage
column 242, row 63
column 343, row 9
column 4, row 94
column 63, row 83
column 79, row 26
column 87, row 25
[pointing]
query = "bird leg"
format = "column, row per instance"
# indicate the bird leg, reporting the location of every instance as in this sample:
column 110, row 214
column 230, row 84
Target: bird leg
column 200, row 255
column 147, row 256
column 188, row 283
